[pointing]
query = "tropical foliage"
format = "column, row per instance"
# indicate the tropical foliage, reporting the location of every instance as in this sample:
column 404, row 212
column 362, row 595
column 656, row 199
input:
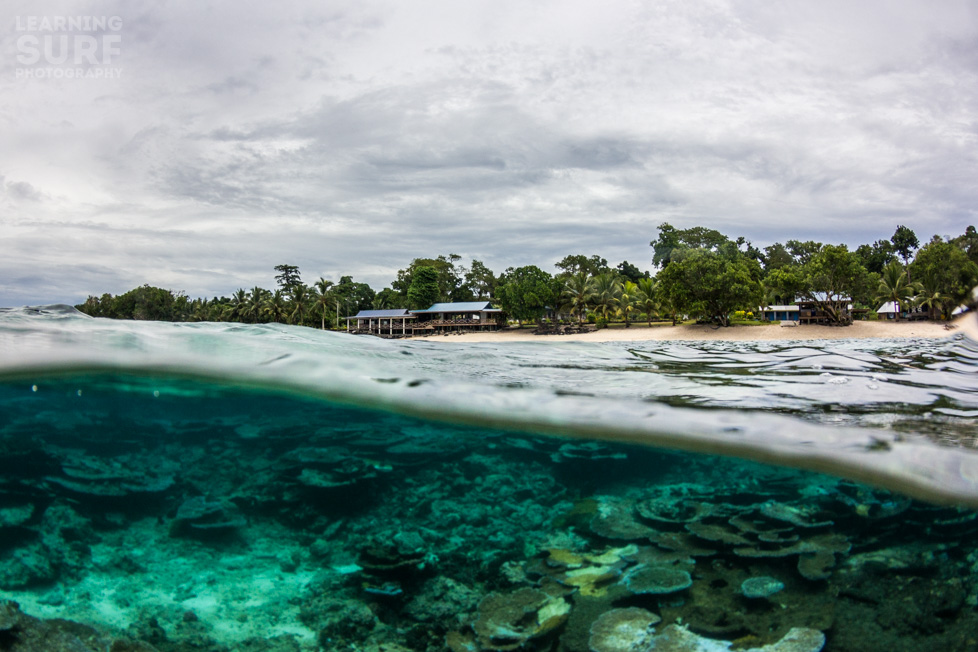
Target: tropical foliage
column 895, row 287
column 700, row 273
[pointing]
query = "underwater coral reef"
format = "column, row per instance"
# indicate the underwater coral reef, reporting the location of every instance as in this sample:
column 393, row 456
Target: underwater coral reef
column 258, row 522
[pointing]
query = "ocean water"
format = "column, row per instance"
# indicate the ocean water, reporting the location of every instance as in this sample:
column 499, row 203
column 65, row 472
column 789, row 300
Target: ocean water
column 229, row 487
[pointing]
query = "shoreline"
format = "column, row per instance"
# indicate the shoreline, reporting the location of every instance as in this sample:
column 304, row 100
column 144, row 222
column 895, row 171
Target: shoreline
column 704, row 332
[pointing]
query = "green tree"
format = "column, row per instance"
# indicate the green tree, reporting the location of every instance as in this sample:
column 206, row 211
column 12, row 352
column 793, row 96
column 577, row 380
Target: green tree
column 577, row 263
column 895, row 286
column 481, row 281
column 968, row 243
column 776, row 256
column 646, row 297
column 423, row 292
column 834, row 277
column 628, row 301
column 524, row 292
column 875, row 258
column 323, row 299
column 671, row 239
column 803, row 252
column 784, row 284
column 578, row 293
column 711, row 284
column 904, row 243
column 607, row 291
column 254, row 308
column 387, row 299
column 932, row 298
column 301, row 304
column 948, row 271
column 630, row 272
column 354, row 297
column 237, row 308
column 288, row 277
column 277, row 307
column 449, row 277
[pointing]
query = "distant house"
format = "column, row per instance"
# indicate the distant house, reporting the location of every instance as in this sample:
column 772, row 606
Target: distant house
column 810, row 311
column 389, row 323
column 805, row 311
column 459, row 316
column 889, row 310
column 778, row 313
column 439, row 318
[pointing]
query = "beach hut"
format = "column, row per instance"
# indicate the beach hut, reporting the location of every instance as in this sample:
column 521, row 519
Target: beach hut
column 889, row 310
column 458, row 316
column 778, row 313
column 386, row 323
column 810, row 310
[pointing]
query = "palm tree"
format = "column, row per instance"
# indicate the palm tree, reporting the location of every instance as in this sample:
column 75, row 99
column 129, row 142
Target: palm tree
column 578, row 292
column 235, row 310
column 255, row 304
column 931, row 297
column 276, row 307
column 607, row 290
column 894, row 286
column 324, row 298
column 300, row 303
column 627, row 301
column 199, row 309
column 645, row 297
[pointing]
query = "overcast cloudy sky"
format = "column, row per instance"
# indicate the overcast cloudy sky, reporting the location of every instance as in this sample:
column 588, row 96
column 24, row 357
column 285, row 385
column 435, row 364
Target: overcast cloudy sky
column 204, row 143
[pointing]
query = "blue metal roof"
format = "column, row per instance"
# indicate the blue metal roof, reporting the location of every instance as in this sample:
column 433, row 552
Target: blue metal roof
column 382, row 314
column 463, row 306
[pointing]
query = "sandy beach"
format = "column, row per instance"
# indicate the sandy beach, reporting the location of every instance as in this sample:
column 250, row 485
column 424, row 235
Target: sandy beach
column 642, row 332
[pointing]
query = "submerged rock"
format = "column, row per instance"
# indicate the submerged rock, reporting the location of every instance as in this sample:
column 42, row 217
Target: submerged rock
column 657, row 580
column 22, row 633
column 623, row 630
column 674, row 638
column 761, row 587
column 509, row 620
column 616, row 520
column 27, row 567
column 199, row 517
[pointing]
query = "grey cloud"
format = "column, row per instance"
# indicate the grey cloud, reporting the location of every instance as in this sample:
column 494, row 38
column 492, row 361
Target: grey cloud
column 21, row 190
column 352, row 138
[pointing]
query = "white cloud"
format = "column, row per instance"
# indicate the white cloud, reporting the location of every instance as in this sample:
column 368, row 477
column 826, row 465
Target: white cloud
column 354, row 137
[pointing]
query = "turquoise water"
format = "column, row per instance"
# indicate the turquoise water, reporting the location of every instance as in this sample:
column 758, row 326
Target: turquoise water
column 229, row 487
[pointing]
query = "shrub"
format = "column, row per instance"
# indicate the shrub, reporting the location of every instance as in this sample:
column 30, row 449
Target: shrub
column 601, row 322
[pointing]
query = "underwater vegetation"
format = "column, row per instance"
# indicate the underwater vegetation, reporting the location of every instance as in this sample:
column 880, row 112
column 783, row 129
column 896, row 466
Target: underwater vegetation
column 142, row 513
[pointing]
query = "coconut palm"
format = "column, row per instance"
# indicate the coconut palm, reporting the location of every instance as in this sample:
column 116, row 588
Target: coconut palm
column 645, row 297
column 931, row 298
column 299, row 296
column 324, row 298
column 277, row 307
column 199, row 310
column 255, row 304
column 607, row 290
column 235, row 310
column 578, row 293
column 895, row 286
column 628, row 301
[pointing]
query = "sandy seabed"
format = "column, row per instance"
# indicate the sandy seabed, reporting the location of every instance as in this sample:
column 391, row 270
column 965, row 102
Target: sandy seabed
column 642, row 332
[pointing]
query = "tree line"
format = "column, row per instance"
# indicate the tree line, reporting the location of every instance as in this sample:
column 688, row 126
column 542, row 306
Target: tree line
column 699, row 273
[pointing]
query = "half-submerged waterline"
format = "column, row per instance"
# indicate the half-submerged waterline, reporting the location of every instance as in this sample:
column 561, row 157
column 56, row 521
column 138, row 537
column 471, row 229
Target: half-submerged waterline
column 265, row 488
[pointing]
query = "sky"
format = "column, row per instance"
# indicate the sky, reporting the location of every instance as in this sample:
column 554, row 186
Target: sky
column 195, row 145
